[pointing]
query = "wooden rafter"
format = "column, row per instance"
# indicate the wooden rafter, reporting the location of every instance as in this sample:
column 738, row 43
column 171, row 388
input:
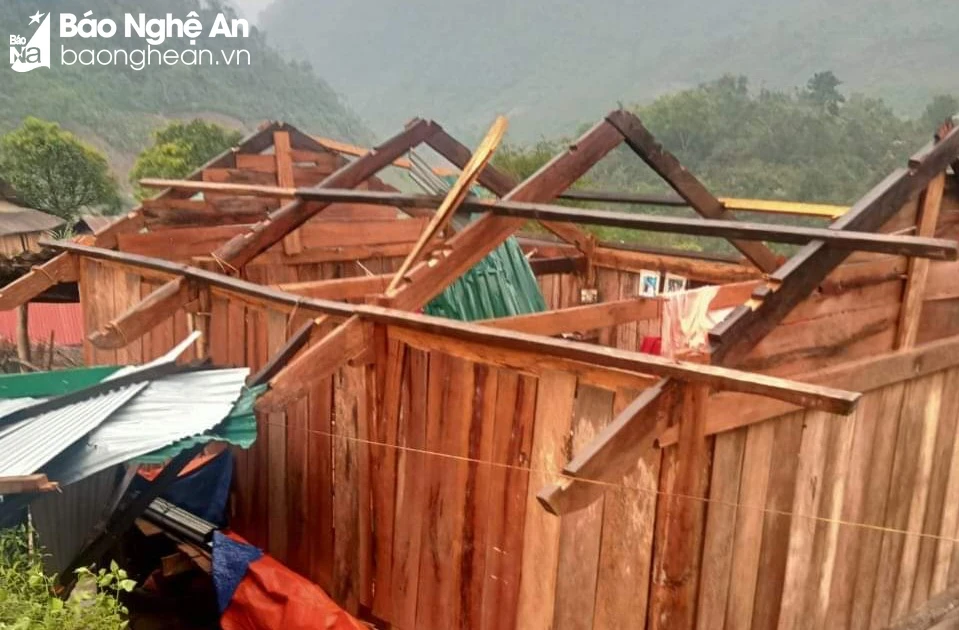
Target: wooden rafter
column 244, row 247
column 339, row 288
column 790, row 284
column 478, row 239
column 62, row 268
column 919, row 269
column 817, row 397
column 683, row 182
column 145, row 315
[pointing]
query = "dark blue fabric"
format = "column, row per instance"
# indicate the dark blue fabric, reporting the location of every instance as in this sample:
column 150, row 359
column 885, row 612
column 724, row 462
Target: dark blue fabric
column 204, row 492
column 230, row 562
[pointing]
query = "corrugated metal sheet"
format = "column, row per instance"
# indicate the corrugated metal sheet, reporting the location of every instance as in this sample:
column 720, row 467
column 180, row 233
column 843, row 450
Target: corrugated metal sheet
column 65, row 321
column 36, row 441
column 239, row 429
column 64, row 519
column 501, row 285
column 16, row 219
column 166, row 411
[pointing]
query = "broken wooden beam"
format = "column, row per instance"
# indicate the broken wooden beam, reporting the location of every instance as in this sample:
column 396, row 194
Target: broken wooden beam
column 338, row 288
column 684, row 183
column 59, row 269
column 612, row 452
column 143, row 316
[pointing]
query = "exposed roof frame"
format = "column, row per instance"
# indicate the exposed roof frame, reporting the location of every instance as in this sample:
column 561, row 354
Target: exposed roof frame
column 606, row 457
column 813, row 396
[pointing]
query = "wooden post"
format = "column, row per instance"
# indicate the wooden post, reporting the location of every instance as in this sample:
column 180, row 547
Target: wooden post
column 23, row 335
column 680, row 525
column 292, row 244
column 919, row 267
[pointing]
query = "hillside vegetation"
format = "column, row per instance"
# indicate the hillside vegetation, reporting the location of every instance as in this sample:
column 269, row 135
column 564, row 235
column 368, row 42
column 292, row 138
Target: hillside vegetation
column 553, row 65
column 116, row 108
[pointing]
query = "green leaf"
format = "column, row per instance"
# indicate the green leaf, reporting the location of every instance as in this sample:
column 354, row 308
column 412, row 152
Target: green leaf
column 128, row 585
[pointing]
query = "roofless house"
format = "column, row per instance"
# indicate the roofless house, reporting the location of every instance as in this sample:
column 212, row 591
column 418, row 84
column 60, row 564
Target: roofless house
column 431, row 473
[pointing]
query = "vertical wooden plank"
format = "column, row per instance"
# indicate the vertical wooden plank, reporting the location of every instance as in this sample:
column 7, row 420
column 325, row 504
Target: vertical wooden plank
column 384, row 421
column 780, row 493
column 626, row 551
column 803, row 528
column 410, row 500
column 440, row 603
column 933, row 567
column 720, row 529
column 858, row 485
column 318, row 484
column 918, row 505
column 909, row 444
column 348, row 389
column 87, row 283
column 513, row 439
column 840, row 431
column 292, row 243
column 675, row 572
column 881, row 464
column 476, row 524
column 580, row 532
column 946, row 567
column 276, row 469
column 747, row 541
column 554, row 406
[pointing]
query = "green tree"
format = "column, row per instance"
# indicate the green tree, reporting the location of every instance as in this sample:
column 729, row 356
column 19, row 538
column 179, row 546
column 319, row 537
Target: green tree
column 179, row 149
column 942, row 107
column 52, row 170
column 822, row 89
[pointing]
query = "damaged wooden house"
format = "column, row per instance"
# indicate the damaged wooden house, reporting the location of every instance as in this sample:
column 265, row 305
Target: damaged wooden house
column 468, row 428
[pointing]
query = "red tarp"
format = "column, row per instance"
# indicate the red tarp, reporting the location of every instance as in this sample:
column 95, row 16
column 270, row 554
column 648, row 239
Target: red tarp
column 272, row 597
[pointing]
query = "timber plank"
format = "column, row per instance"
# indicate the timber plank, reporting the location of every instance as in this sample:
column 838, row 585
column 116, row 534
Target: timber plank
column 347, row 453
column 918, row 505
column 626, row 550
column 910, row 441
column 881, row 464
column 857, row 486
column 541, row 538
column 946, row 567
column 747, row 540
column 319, row 482
column 411, row 506
column 720, row 530
column 278, row 468
column 512, row 447
column 937, row 506
column 774, row 546
column 580, row 532
column 802, row 531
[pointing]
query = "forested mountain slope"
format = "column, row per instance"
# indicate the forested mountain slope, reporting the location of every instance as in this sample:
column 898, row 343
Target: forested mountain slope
column 116, row 108
column 553, row 65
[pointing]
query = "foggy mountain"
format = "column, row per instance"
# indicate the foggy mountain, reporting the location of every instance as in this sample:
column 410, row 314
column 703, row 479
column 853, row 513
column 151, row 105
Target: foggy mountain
column 553, row 65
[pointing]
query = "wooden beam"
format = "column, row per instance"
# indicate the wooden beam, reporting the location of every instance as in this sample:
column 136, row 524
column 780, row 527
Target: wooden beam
column 771, row 206
column 912, row 299
column 612, row 452
column 243, row 248
column 348, row 341
column 143, row 316
column 27, row 483
column 339, row 288
column 59, row 269
column 684, row 183
column 728, row 411
column 501, row 184
column 457, row 193
column 801, row 274
column 814, row 397
column 480, row 237
column 557, row 264
column 284, row 178
column 252, row 190
column 581, row 318
column 278, row 361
